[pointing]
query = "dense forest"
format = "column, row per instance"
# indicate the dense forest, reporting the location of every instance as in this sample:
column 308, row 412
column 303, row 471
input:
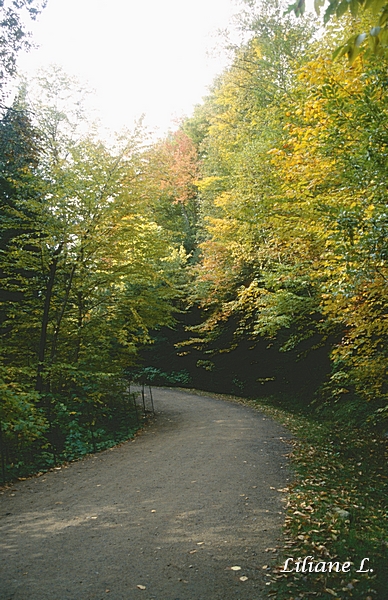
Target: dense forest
column 286, row 208
column 245, row 253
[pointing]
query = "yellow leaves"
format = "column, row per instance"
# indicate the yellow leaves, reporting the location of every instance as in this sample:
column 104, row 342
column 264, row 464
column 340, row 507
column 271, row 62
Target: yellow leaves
column 208, row 183
column 275, row 151
column 221, row 228
column 255, row 44
column 331, row 592
column 225, row 200
column 315, row 110
column 293, row 192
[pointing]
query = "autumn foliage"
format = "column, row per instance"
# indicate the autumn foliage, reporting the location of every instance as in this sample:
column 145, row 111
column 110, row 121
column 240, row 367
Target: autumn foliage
column 264, row 215
column 293, row 207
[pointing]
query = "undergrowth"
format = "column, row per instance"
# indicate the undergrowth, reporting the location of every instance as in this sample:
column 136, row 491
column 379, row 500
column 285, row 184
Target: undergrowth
column 72, row 432
column 337, row 510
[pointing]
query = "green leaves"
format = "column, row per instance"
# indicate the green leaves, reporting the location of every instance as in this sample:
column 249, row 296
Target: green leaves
column 253, row 271
column 293, row 207
column 342, row 8
column 13, row 36
column 364, row 10
column 86, row 267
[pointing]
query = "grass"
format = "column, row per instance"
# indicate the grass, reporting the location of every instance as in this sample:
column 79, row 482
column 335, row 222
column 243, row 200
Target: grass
column 337, row 507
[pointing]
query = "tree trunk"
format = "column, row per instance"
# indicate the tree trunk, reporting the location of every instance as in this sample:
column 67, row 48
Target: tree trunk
column 62, row 312
column 45, row 320
column 80, row 323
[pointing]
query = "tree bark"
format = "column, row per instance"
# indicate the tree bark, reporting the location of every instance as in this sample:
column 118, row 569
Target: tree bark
column 62, row 312
column 45, row 320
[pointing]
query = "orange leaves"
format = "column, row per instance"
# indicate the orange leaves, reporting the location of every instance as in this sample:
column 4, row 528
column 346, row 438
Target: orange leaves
column 175, row 166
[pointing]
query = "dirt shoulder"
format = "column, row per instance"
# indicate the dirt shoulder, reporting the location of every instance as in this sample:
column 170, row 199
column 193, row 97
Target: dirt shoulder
column 195, row 494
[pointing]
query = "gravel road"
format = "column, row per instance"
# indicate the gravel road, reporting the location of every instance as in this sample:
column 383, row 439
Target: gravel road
column 162, row 517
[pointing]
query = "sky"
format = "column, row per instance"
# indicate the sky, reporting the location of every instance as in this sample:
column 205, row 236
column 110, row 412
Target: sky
column 139, row 56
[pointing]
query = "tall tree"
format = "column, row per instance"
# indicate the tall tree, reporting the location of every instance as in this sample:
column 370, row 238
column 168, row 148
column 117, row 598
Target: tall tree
column 13, row 34
column 172, row 172
column 368, row 19
column 334, row 159
column 95, row 272
column 243, row 253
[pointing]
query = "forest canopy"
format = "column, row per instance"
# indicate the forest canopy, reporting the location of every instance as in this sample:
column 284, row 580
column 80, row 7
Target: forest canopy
column 251, row 241
column 293, row 221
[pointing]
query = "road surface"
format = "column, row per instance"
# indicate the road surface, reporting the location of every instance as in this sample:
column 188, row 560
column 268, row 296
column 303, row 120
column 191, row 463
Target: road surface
column 163, row 517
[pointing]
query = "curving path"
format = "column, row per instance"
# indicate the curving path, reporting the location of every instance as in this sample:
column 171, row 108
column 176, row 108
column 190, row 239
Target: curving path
column 195, row 494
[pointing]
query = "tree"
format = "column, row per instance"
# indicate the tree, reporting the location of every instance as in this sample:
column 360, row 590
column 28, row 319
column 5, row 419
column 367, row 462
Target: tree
column 13, row 36
column 375, row 36
column 333, row 161
column 93, row 270
column 293, row 212
column 170, row 175
column 254, row 275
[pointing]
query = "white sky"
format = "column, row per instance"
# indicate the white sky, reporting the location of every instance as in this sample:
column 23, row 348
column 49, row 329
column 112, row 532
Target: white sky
column 140, row 56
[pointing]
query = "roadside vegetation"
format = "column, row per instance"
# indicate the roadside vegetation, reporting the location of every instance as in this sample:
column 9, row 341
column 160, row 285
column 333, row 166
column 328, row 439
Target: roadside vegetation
column 336, row 508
